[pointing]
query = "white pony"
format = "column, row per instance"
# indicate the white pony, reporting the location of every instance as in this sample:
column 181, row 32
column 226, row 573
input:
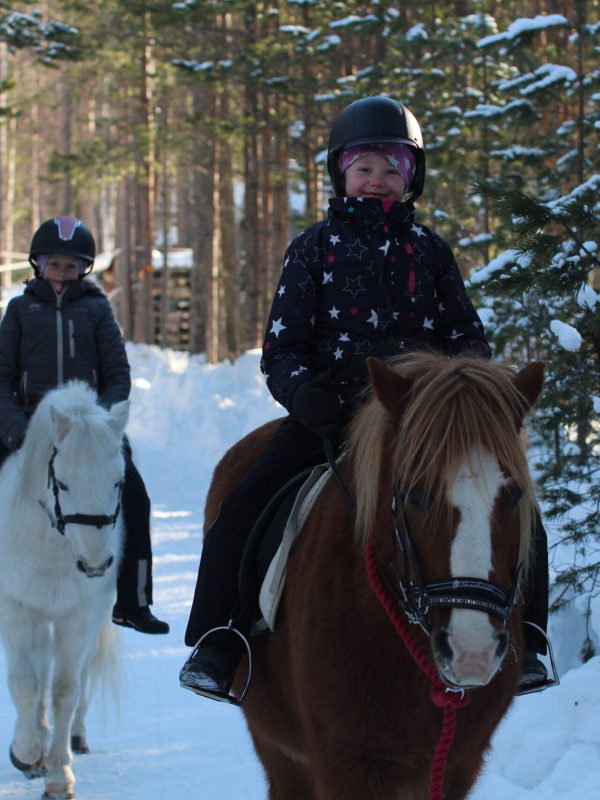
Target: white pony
column 60, row 545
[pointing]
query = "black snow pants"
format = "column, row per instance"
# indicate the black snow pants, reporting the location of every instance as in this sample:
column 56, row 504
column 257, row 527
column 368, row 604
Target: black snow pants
column 216, row 598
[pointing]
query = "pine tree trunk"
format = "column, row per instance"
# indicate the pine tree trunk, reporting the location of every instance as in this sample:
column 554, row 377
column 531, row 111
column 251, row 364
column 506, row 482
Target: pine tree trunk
column 203, row 160
column 143, row 328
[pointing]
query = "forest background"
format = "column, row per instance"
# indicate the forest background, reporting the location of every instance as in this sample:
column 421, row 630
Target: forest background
column 203, row 124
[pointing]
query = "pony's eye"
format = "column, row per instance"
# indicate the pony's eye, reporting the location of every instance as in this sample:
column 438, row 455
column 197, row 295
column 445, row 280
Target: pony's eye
column 515, row 495
column 417, row 498
column 62, row 486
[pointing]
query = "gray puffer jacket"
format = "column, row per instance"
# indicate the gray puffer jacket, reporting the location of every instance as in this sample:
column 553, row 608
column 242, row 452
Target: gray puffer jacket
column 47, row 340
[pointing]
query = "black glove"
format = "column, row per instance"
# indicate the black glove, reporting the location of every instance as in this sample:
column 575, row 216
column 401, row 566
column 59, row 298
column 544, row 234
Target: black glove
column 318, row 408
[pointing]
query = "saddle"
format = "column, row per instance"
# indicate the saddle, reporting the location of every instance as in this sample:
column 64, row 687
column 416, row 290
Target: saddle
column 264, row 561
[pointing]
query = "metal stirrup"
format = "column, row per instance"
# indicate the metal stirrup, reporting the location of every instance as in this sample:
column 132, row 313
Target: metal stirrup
column 550, row 682
column 229, row 627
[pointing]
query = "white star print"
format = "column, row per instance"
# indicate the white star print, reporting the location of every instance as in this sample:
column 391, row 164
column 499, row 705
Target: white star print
column 278, row 326
column 418, row 230
column 338, row 354
column 334, row 239
column 385, row 247
column 455, row 334
column 334, row 312
column 344, row 337
column 281, row 290
column 297, row 372
column 428, row 323
column 327, row 277
column 373, row 319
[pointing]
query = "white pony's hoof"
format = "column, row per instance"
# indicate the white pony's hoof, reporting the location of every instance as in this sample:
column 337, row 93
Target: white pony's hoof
column 79, row 745
column 37, row 770
column 59, row 791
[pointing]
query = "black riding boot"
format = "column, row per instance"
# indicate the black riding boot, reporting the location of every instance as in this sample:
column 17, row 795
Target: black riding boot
column 134, row 582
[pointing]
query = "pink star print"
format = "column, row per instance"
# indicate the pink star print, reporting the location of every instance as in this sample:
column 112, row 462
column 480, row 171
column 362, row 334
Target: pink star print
column 331, row 259
column 354, row 311
column 408, row 248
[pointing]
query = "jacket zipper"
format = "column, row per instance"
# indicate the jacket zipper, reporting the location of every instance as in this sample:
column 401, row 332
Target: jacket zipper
column 71, row 338
column 59, row 343
column 24, row 382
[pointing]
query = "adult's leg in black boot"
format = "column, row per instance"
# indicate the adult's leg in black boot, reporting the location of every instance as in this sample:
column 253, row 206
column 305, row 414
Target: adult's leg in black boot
column 212, row 665
column 134, row 582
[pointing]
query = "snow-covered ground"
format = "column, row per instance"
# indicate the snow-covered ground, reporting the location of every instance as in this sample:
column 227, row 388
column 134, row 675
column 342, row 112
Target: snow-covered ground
column 169, row 743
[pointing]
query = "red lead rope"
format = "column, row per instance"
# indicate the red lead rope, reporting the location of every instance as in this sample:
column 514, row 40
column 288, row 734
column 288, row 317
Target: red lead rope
column 440, row 694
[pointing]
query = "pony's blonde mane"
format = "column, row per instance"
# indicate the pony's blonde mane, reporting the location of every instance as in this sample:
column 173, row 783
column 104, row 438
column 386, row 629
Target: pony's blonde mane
column 455, row 409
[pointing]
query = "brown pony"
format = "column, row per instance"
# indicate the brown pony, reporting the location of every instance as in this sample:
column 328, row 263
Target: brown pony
column 340, row 707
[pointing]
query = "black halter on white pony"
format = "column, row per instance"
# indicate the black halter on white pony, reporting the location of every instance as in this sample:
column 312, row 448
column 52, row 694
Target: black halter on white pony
column 59, row 520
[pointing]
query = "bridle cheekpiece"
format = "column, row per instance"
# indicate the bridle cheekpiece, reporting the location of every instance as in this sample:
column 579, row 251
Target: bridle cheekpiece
column 60, row 520
column 416, row 598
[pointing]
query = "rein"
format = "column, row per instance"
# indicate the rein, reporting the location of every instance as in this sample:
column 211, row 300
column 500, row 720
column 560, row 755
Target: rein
column 450, row 700
column 60, row 520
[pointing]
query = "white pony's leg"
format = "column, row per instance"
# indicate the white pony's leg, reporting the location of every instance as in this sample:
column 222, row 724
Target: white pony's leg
column 79, row 743
column 73, row 639
column 27, row 643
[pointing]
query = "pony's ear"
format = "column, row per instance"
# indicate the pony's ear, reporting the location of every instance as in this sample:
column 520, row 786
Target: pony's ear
column 390, row 388
column 118, row 416
column 61, row 424
column 529, row 382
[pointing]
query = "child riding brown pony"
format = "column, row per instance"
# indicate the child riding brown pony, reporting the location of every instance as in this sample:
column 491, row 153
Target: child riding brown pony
column 348, row 699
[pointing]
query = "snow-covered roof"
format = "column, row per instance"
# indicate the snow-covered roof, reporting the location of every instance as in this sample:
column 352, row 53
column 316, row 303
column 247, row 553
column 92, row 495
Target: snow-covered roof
column 177, row 258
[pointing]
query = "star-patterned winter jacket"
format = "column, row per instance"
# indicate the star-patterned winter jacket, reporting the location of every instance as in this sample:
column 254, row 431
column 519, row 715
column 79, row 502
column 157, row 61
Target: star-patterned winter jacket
column 47, row 340
column 364, row 282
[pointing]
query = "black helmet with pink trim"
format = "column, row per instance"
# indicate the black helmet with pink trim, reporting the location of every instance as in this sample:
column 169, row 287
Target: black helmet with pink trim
column 63, row 236
column 373, row 120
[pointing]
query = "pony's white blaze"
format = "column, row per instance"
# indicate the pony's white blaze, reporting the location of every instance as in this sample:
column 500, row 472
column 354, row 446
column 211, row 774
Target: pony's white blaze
column 471, row 636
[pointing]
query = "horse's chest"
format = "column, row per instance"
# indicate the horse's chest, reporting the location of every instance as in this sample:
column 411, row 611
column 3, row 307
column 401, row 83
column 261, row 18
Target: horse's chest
column 42, row 575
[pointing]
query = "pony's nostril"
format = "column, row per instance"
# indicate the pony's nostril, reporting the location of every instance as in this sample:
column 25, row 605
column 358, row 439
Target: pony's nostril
column 502, row 646
column 110, row 561
column 81, row 565
column 442, row 644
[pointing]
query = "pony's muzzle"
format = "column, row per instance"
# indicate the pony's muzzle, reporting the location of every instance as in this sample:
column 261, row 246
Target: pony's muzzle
column 468, row 663
column 94, row 572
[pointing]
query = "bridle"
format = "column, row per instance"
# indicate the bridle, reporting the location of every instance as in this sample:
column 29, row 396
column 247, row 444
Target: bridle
column 59, row 520
column 416, row 598
column 406, row 585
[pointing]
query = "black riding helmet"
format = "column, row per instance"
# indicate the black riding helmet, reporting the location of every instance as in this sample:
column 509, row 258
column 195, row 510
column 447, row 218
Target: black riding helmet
column 369, row 121
column 63, row 236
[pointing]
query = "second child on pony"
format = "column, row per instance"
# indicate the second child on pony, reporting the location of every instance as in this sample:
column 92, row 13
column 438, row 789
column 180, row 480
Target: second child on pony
column 368, row 280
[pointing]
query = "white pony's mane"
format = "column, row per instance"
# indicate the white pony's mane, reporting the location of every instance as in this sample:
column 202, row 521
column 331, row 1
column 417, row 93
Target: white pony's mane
column 89, row 434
